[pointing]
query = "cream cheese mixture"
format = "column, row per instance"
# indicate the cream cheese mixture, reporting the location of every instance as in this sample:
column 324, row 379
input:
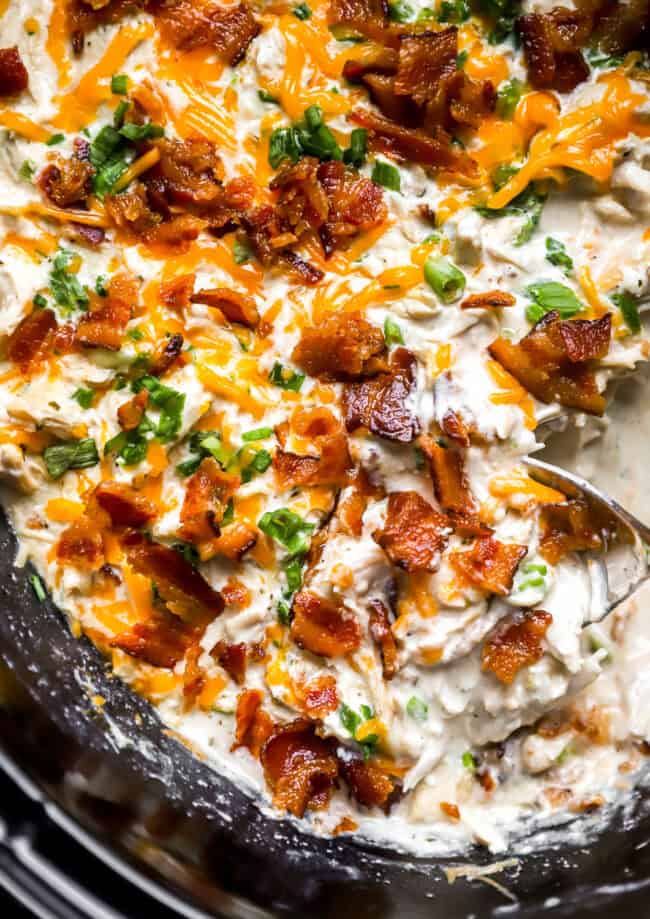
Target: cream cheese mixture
column 288, row 292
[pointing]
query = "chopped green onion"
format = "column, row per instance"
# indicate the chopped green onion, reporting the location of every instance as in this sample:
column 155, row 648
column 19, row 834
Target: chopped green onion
column 257, row 434
column 550, row 295
column 265, row 96
column 288, row 529
column 301, row 11
column 100, row 286
column 417, row 709
column 120, row 111
column 260, row 463
column 387, row 175
column 629, row 311
column 508, row 95
column 293, row 574
column 84, row 397
column 442, row 276
column 392, row 332
column 119, row 84
column 39, row 301
column 65, row 287
column 461, row 59
column 55, row 139
column 455, row 11
column 27, row 170
column 400, row 11
column 135, row 334
column 557, row 255
column 469, row 761
column 138, row 132
column 37, row 587
column 356, row 153
column 78, row 454
column 286, row 379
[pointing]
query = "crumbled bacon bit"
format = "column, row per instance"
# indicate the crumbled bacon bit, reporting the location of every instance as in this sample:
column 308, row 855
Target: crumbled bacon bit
column 253, row 726
column 193, row 676
column 414, row 534
column 321, row 627
column 207, row 494
column 382, row 635
column 455, row 428
column 353, row 502
column 30, row 340
column 131, row 413
column 181, row 587
column 489, row 564
column 236, row 307
column 234, row 541
column 124, row 505
column 425, row 59
column 131, row 212
column 85, row 235
column 470, row 101
column 551, row 42
column 104, row 324
column 491, row 299
column 82, row 544
column 166, row 355
column 319, row 697
column 345, row 346
column 175, row 294
column 415, row 144
column 232, row 657
column 66, row 181
column 381, row 405
column 330, row 467
column 83, row 17
column 235, row 593
column 367, row 16
column 370, row 786
column 189, row 172
column 228, row 30
column 548, row 361
column 301, row 769
column 568, row 527
column 307, row 273
column 161, row 642
column 14, row 78
column 515, row 645
column 448, row 475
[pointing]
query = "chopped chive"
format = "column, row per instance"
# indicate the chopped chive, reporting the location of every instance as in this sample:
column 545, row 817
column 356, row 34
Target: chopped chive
column 119, row 84
column 37, row 587
column 84, row 397
column 447, row 281
column 39, row 301
column 55, row 139
column 387, row 175
column 417, row 709
column 257, row 434
column 392, row 332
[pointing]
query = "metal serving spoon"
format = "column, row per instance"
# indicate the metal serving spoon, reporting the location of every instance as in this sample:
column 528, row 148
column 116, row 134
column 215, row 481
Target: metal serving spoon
column 623, row 566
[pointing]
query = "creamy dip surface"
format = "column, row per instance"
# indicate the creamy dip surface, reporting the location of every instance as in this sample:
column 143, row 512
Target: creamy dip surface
column 288, row 292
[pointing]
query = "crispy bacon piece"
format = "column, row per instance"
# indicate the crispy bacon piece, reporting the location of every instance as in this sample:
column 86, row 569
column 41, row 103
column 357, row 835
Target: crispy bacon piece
column 189, row 172
column 131, row 212
column 14, row 78
column 232, row 657
column 166, row 354
column 330, row 467
column 236, row 307
column 549, row 361
column 234, row 541
column 228, row 30
column 306, row 272
column 489, row 564
column 455, row 428
column 124, row 505
column 301, row 768
column 369, row 17
column 235, row 593
column 327, row 197
column 492, row 299
column 345, row 346
column 162, row 641
column 380, row 404
column 319, row 697
column 182, row 588
column 193, row 676
column 551, row 44
column 321, row 627
column 175, row 294
column 353, row 502
column 82, row 544
column 66, row 181
column 370, row 785
column 131, row 413
column 416, row 145
column 264, row 226
column 85, row 236
column 568, row 527
column 425, row 59
column 104, row 324
column 381, row 634
column 253, row 726
column 448, row 475
column 414, row 534
column 207, row 494
column 469, row 101
column 515, row 645
column 84, row 17
column 31, row 339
